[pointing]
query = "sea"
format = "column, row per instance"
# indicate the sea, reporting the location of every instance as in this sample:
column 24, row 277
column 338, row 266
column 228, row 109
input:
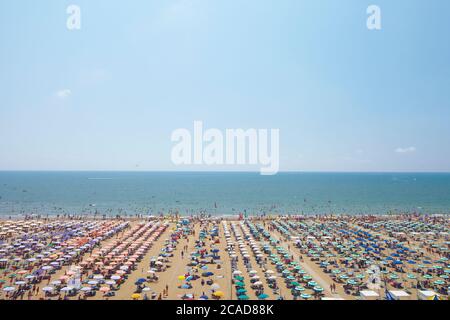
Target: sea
column 221, row 193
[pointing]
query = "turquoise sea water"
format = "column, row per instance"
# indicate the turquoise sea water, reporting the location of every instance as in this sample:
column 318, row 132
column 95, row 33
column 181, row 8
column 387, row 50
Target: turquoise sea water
column 222, row 193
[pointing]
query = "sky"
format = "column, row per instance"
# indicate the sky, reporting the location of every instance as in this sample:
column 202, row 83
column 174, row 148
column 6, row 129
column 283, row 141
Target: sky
column 109, row 95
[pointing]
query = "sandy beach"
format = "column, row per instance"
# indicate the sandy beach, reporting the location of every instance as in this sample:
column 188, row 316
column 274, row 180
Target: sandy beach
column 294, row 258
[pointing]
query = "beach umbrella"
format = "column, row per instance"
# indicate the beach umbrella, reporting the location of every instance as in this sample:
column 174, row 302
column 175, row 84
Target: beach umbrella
column 9, row 289
column 312, row 283
column 48, row 288
column 240, row 284
column 135, row 296
column 218, row 294
column 104, row 289
column 305, row 296
column 243, row 297
column 67, row 289
column 215, row 286
column 203, row 297
column 86, row 289
column 299, row 288
column 263, row 296
column 336, row 271
column 318, row 289
column 241, row 291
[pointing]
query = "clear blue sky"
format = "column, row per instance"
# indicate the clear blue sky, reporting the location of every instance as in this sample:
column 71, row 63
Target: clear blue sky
column 344, row 98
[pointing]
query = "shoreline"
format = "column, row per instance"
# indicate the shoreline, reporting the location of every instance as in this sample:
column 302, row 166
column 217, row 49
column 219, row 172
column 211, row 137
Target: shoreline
column 213, row 216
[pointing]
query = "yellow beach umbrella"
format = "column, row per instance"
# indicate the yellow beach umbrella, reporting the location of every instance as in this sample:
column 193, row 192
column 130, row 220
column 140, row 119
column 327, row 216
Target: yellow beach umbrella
column 218, row 294
column 181, row 277
column 135, row 296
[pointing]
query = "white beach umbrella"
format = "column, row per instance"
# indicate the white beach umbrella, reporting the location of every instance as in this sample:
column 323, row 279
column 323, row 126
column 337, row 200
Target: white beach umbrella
column 48, row 288
column 215, row 286
column 86, row 289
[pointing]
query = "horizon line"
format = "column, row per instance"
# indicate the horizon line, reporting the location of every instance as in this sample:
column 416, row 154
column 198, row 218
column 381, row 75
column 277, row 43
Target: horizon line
column 220, row 171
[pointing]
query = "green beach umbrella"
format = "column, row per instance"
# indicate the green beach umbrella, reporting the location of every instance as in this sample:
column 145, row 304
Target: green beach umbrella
column 318, row 289
column 352, row 282
column 336, row 271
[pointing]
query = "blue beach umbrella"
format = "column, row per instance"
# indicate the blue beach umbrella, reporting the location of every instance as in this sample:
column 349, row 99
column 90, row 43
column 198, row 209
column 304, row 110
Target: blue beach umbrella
column 263, row 296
